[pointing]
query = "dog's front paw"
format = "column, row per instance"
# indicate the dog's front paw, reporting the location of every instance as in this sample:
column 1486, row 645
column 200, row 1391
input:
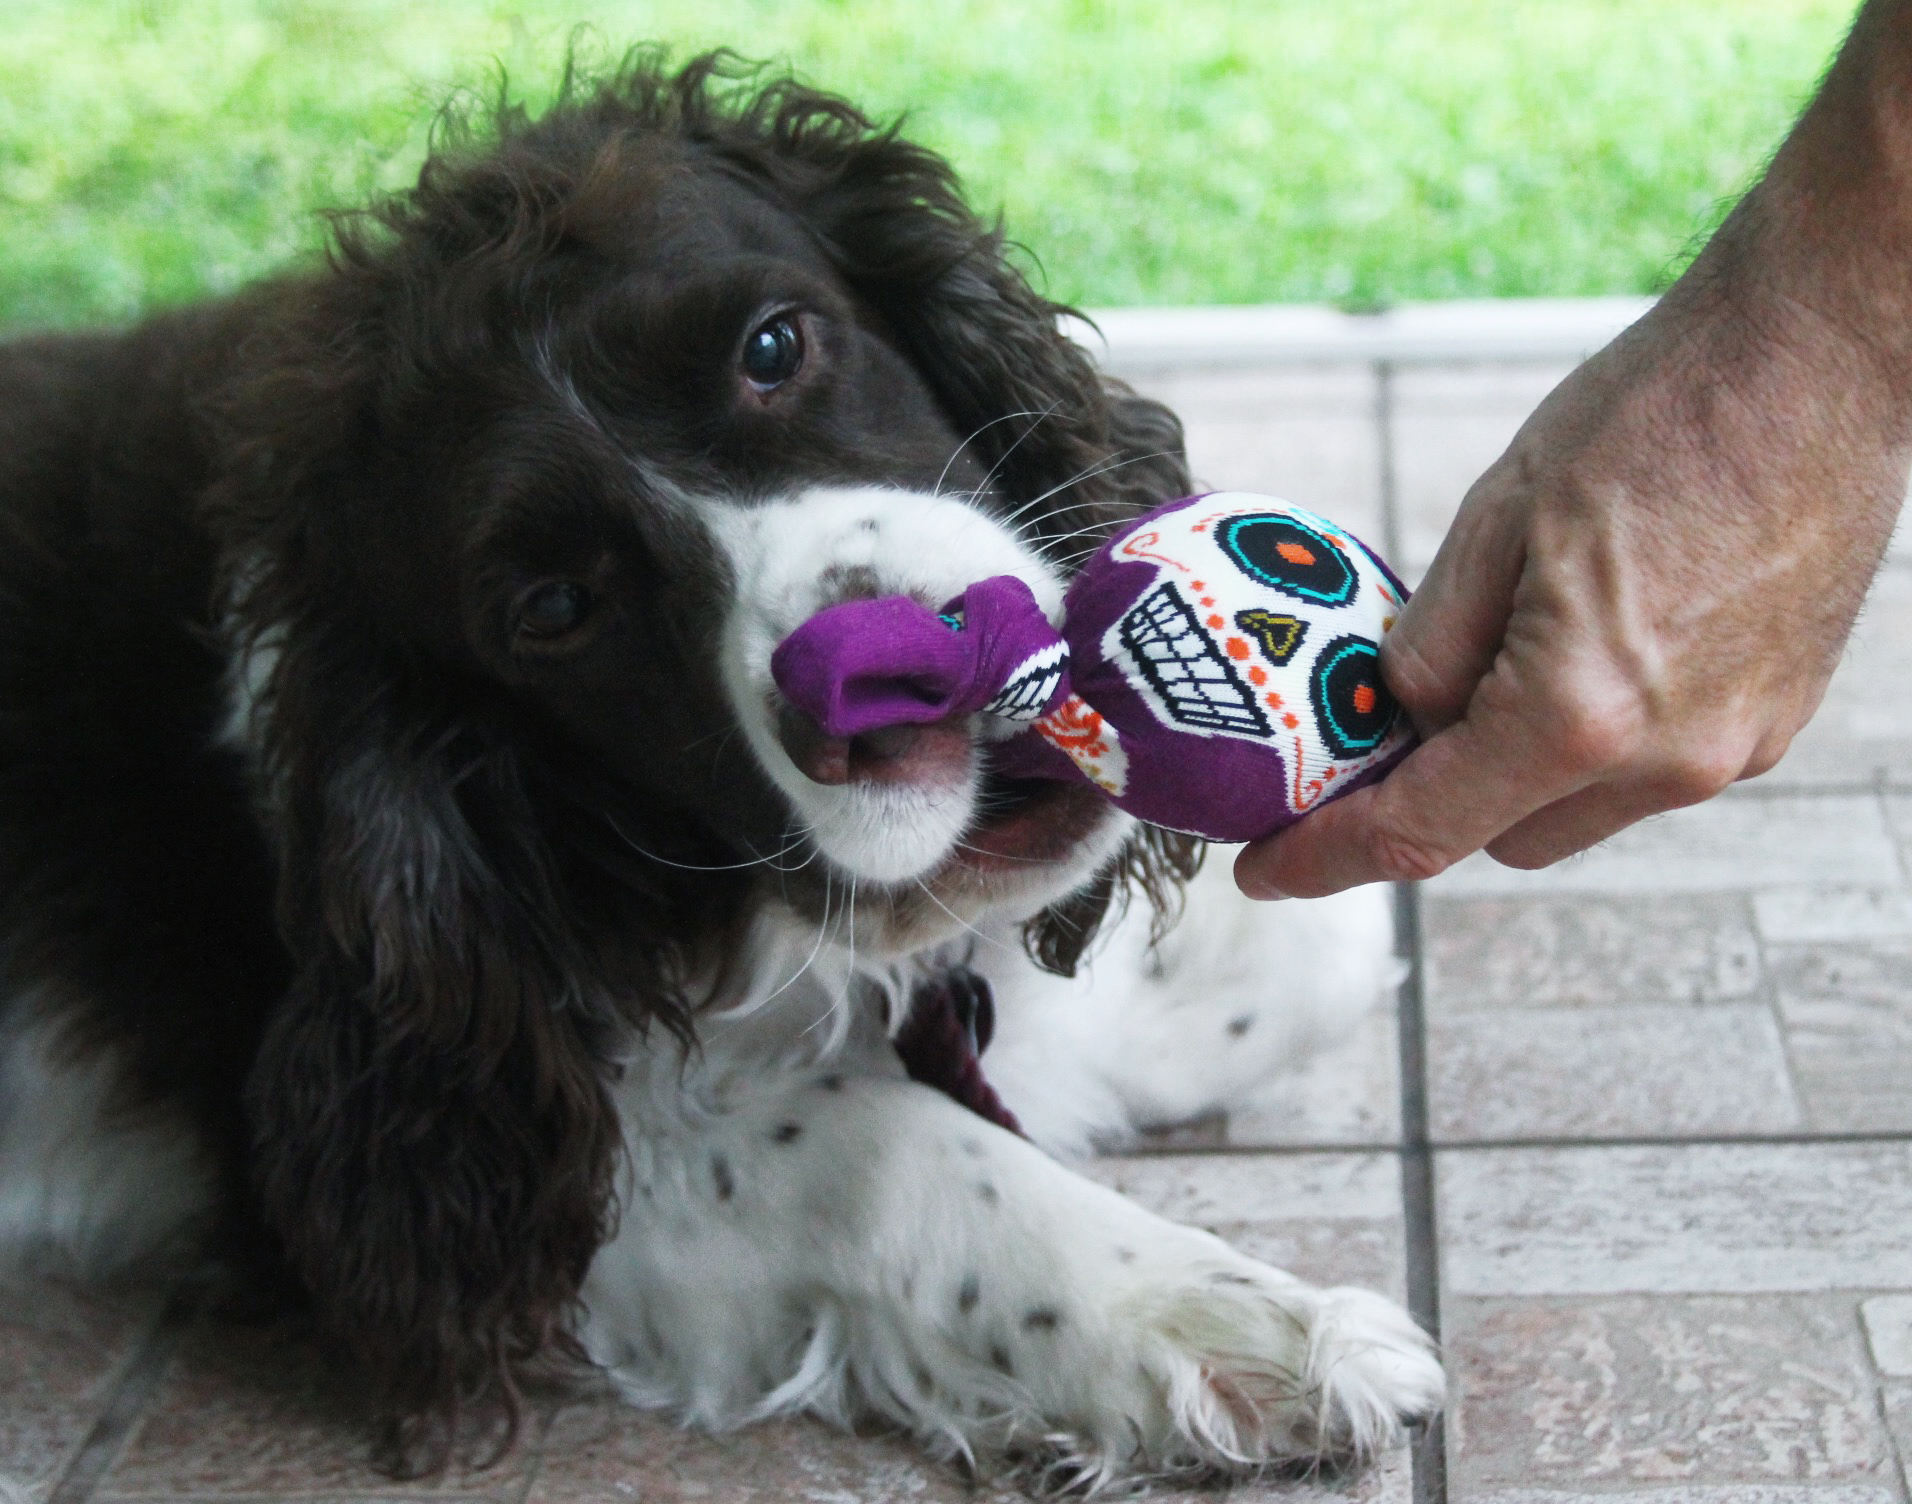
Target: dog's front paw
column 1259, row 1369
column 1231, row 1365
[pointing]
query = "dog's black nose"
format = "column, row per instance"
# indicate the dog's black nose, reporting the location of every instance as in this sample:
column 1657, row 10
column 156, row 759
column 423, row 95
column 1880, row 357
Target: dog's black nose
column 933, row 755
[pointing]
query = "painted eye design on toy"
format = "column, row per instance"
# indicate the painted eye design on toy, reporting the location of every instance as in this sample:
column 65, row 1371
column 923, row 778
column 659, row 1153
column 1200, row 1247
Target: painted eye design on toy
column 1352, row 706
column 773, row 352
column 1289, row 556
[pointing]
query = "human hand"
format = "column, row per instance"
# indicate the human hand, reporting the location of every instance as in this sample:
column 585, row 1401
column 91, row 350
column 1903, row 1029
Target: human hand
column 1639, row 603
column 1643, row 599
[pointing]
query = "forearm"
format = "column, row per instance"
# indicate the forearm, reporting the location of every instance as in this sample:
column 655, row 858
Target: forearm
column 1770, row 393
column 1814, row 266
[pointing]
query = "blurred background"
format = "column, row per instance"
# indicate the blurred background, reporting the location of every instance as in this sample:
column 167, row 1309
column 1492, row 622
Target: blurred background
column 1357, row 152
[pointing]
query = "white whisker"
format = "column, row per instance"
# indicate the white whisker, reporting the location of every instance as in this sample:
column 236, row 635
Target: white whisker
column 1102, row 467
column 838, row 1014
column 1003, row 458
column 999, row 856
column 823, row 931
column 956, row 454
column 756, row 861
column 986, row 939
column 1089, row 530
column 1063, row 561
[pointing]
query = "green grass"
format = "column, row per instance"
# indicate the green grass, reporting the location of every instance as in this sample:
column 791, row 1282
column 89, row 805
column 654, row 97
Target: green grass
column 1163, row 152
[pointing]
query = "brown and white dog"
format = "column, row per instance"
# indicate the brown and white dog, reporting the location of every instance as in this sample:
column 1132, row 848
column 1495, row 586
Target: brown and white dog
column 413, row 890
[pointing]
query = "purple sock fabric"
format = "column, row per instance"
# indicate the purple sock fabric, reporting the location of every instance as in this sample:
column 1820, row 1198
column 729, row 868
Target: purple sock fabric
column 867, row 664
column 1217, row 670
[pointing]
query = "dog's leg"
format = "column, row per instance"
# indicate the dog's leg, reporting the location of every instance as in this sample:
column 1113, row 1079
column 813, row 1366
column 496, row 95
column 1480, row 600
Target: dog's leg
column 1219, row 1016
column 837, row 1243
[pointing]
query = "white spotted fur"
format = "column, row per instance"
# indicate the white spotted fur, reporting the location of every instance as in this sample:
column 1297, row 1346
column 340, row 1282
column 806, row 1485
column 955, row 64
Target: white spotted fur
column 760, row 1270
column 805, row 1228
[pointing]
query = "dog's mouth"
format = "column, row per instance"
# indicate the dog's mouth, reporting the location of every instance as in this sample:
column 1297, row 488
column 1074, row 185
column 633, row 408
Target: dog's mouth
column 1024, row 821
column 1013, row 826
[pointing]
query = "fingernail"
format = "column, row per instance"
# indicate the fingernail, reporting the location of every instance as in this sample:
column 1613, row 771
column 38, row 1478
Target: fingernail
column 1249, row 878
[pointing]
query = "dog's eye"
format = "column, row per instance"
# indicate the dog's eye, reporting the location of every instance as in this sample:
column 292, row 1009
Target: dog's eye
column 773, row 352
column 553, row 608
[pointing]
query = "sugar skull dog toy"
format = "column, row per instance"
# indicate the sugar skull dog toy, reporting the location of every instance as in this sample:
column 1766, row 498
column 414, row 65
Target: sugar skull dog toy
column 1216, row 669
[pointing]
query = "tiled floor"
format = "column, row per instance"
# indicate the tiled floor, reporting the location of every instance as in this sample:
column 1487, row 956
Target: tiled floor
column 1650, row 1157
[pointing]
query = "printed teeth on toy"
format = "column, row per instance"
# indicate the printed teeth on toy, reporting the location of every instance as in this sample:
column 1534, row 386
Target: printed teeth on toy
column 1194, row 684
column 1032, row 688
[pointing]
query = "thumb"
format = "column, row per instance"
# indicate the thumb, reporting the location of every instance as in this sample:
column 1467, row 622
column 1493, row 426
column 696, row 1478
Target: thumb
column 1452, row 626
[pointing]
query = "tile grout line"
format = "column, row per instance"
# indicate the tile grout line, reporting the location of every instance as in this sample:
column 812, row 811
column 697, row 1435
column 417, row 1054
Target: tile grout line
column 1783, row 1138
column 134, row 1389
column 1882, row 795
column 1384, row 448
column 1881, row 1411
column 1296, row 1148
column 1421, row 1235
column 1768, row 994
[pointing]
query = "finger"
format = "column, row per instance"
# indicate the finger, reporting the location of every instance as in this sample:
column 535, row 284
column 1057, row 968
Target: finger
column 1451, row 628
column 1450, row 797
column 1571, row 826
column 1587, row 817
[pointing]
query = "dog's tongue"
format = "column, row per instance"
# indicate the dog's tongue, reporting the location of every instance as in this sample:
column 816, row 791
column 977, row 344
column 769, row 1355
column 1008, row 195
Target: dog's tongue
column 864, row 665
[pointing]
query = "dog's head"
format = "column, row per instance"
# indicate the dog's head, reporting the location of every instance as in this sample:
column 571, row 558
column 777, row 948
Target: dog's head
column 589, row 420
column 520, row 494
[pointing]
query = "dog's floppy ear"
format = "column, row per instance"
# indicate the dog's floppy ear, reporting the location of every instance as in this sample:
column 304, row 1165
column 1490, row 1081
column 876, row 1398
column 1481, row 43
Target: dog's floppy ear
column 434, row 1138
column 1073, row 447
